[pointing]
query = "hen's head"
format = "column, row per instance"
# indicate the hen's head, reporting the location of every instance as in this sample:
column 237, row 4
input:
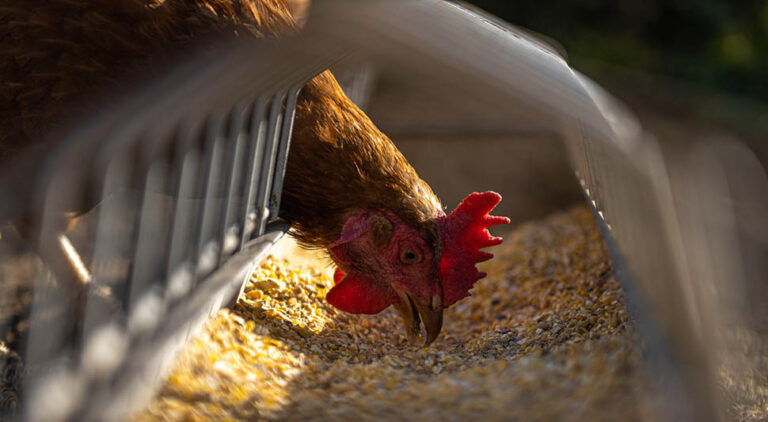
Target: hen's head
column 384, row 261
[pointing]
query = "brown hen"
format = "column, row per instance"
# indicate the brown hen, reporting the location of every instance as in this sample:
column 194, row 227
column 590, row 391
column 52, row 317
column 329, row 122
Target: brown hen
column 347, row 187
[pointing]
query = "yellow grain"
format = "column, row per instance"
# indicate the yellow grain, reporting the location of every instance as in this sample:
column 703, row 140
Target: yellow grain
column 545, row 336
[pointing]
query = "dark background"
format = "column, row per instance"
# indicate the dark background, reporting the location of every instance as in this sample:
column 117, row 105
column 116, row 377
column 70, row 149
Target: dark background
column 697, row 59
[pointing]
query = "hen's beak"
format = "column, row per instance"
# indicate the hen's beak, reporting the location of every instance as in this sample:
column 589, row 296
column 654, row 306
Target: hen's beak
column 411, row 309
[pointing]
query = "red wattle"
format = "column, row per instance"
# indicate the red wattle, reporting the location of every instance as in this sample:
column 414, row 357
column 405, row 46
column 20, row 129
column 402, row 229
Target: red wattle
column 359, row 295
column 338, row 275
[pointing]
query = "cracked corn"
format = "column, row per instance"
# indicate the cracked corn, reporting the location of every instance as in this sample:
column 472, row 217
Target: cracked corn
column 545, row 336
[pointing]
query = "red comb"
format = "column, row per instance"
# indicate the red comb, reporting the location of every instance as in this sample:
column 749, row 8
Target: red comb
column 465, row 233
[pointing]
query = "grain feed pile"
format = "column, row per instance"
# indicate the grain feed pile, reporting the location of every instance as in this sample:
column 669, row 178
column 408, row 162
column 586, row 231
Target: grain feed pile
column 544, row 336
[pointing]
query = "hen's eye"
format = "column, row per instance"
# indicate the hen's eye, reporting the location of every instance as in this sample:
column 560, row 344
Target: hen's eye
column 409, row 255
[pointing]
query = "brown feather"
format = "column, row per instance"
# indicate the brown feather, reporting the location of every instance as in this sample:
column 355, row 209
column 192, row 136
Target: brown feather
column 54, row 52
column 340, row 162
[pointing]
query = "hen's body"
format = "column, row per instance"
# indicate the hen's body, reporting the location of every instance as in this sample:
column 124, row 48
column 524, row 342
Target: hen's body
column 347, row 188
column 56, row 54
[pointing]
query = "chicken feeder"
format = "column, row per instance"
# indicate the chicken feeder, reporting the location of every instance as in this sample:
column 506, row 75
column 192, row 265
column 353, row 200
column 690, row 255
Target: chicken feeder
column 182, row 179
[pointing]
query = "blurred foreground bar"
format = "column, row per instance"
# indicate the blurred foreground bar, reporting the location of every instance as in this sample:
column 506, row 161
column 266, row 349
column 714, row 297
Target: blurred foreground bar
column 183, row 206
